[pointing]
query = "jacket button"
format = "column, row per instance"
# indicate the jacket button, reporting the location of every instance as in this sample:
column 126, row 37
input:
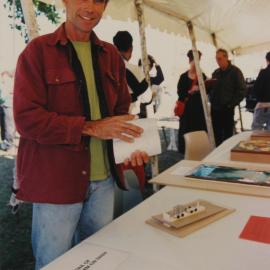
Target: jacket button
column 84, row 172
column 57, row 80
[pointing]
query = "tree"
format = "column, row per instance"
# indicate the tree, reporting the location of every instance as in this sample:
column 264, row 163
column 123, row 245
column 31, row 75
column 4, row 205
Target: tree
column 15, row 12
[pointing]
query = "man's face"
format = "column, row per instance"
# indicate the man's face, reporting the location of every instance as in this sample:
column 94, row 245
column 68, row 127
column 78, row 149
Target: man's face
column 84, row 15
column 222, row 60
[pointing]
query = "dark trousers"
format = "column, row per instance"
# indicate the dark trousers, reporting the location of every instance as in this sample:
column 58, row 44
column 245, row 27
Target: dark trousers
column 223, row 124
column 2, row 123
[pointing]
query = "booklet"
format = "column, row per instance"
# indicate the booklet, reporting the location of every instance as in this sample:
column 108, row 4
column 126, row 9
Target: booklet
column 87, row 256
column 149, row 141
column 257, row 229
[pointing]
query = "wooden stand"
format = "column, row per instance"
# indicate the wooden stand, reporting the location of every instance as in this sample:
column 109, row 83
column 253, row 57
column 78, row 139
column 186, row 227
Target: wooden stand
column 260, row 135
column 169, row 178
column 214, row 212
column 252, row 151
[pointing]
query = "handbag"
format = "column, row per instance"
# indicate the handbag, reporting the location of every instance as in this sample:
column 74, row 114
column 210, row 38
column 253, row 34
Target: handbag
column 180, row 107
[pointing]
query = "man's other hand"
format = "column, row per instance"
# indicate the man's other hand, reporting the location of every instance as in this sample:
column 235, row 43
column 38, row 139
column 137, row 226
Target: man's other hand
column 137, row 158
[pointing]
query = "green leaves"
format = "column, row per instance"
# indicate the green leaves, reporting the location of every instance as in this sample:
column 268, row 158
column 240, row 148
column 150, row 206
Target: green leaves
column 15, row 12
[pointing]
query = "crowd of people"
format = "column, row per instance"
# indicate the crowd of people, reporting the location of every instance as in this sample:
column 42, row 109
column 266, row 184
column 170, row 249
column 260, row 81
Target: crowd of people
column 73, row 94
column 225, row 90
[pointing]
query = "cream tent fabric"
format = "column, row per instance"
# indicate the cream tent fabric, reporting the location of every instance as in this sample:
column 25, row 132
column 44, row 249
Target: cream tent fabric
column 239, row 25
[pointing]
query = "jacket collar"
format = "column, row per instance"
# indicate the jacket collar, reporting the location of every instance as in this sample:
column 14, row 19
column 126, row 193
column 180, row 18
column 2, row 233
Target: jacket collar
column 60, row 37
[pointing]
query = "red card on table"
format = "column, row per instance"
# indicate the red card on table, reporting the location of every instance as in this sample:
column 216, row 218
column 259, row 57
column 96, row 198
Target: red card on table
column 257, row 229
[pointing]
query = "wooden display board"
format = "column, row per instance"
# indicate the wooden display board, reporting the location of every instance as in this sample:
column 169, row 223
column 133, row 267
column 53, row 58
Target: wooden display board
column 170, row 178
column 252, row 151
column 260, row 135
column 214, row 213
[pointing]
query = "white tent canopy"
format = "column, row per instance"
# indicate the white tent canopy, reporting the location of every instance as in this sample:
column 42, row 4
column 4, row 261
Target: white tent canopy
column 239, row 25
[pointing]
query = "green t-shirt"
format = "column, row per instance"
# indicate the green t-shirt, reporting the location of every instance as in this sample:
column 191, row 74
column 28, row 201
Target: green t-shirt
column 99, row 158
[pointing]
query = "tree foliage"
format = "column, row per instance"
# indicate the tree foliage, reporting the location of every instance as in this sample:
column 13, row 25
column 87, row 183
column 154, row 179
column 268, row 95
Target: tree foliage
column 15, row 12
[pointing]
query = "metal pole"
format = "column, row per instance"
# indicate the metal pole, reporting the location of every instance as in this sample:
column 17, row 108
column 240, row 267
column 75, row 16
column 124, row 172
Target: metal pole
column 141, row 21
column 205, row 102
column 145, row 63
column 30, row 18
column 239, row 106
column 214, row 39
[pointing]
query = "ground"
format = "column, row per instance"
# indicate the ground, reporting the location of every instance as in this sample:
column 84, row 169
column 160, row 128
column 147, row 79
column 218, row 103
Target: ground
column 15, row 230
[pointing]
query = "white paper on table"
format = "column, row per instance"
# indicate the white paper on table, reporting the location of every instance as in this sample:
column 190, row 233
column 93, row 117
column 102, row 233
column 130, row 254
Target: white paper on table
column 148, row 142
column 181, row 171
column 88, row 256
column 95, row 257
column 140, row 263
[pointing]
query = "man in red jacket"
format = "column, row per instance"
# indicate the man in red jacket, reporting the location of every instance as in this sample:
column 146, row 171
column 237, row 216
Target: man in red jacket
column 70, row 100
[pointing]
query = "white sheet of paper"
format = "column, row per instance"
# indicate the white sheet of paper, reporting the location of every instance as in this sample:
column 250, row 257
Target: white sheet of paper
column 95, row 257
column 139, row 263
column 88, row 256
column 148, row 142
column 182, row 171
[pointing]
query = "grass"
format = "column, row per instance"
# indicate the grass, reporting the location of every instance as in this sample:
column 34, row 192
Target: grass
column 15, row 230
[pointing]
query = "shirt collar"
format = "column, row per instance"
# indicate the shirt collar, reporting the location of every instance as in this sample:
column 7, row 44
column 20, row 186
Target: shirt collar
column 60, row 37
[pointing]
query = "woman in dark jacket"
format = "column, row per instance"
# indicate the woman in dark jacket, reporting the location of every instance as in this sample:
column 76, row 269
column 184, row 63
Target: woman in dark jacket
column 188, row 92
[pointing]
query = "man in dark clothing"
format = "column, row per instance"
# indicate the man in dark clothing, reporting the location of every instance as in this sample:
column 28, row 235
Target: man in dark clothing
column 227, row 92
column 261, row 118
column 136, row 81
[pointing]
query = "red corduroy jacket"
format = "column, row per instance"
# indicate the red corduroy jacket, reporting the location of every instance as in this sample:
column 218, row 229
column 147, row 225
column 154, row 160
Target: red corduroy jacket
column 50, row 110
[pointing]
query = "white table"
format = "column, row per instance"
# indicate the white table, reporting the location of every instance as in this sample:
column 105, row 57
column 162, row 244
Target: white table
column 222, row 152
column 215, row 247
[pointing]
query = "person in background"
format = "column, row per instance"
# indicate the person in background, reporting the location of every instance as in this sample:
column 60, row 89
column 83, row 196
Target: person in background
column 2, row 121
column 157, row 77
column 136, row 81
column 261, row 118
column 192, row 118
column 227, row 92
column 8, row 130
column 70, row 100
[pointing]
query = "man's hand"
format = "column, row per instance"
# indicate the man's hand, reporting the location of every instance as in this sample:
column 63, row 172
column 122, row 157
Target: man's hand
column 138, row 158
column 115, row 127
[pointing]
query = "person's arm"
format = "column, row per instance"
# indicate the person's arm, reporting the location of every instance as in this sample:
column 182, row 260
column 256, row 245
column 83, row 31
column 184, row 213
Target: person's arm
column 240, row 88
column 123, row 98
column 182, row 88
column 137, row 87
column 159, row 78
column 32, row 118
column 258, row 86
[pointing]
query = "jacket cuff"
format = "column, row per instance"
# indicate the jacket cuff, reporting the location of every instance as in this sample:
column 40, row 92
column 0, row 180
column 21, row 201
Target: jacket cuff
column 74, row 133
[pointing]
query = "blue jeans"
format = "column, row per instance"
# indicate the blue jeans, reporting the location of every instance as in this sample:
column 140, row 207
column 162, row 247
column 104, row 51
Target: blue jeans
column 56, row 228
column 261, row 119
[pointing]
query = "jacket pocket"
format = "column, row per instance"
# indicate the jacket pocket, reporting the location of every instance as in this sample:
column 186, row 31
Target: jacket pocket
column 63, row 92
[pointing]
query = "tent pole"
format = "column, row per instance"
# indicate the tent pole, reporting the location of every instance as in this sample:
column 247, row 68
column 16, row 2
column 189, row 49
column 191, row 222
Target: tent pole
column 146, row 68
column 238, row 106
column 214, row 39
column 30, row 18
column 141, row 21
column 205, row 102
